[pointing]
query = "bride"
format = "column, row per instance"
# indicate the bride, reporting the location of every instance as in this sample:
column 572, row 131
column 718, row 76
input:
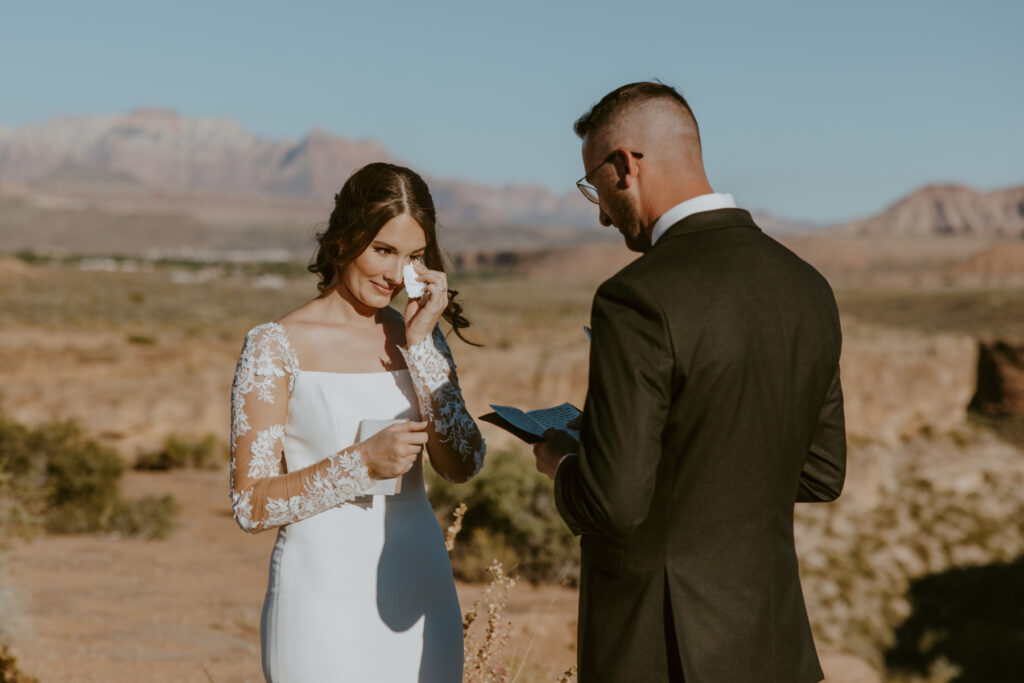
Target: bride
column 360, row 585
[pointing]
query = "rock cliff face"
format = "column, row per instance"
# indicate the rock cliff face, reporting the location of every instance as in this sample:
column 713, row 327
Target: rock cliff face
column 1000, row 379
column 898, row 384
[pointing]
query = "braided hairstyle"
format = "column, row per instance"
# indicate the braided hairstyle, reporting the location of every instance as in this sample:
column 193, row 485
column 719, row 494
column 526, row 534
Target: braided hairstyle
column 371, row 197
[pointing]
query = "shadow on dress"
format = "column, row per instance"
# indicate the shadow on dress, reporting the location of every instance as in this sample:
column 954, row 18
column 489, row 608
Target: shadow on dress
column 414, row 581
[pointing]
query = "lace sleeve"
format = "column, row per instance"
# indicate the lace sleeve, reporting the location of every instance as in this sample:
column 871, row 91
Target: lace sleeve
column 262, row 494
column 432, row 369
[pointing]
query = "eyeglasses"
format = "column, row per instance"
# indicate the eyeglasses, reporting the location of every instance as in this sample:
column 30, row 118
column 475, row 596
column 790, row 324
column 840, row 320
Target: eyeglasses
column 588, row 190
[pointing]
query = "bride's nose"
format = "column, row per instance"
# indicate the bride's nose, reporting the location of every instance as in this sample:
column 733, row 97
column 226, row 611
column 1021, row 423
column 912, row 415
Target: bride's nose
column 394, row 274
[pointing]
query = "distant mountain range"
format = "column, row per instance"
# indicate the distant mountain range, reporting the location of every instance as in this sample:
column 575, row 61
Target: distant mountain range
column 156, row 149
column 162, row 149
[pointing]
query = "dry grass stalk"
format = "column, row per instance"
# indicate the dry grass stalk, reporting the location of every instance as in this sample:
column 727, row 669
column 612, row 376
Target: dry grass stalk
column 484, row 662
column 452, row 531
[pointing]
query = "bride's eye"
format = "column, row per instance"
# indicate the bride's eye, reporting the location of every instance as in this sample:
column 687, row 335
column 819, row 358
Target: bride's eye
column 418, row 258
column 382, row 250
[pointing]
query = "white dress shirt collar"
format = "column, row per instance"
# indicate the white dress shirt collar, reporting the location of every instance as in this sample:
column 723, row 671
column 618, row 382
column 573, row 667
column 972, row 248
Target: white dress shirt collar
column 704, row 202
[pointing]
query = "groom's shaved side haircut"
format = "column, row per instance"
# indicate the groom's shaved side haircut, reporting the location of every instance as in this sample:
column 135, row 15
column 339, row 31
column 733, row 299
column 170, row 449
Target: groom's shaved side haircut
column 628, row 97
column 637, row 113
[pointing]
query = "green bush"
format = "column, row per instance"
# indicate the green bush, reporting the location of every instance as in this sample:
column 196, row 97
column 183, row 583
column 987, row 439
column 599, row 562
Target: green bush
column 179, row 452
column 24, row 472
column 142, row 339
column 146, row 517
column 32, row 258
column 83, row 484
column 53, row 477
column 512, row 517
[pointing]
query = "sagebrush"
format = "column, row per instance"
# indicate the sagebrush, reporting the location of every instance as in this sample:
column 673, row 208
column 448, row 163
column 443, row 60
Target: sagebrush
column 511, row 517
column 179, row 452
column 54, row 478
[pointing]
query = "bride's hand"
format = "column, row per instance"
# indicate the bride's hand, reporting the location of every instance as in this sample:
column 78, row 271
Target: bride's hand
column 392, row 451
column 421, row 315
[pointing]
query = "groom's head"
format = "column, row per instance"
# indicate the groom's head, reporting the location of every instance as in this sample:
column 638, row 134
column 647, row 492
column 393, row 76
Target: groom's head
column 641, row 156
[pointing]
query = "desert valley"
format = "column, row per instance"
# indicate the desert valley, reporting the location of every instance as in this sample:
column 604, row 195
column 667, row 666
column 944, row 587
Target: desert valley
column 137, row 250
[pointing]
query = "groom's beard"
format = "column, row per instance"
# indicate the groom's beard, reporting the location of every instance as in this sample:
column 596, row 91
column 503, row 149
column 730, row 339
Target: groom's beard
column 625, row 215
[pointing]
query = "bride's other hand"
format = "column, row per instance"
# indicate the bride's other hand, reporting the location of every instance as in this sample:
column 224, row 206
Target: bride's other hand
column 392, row 451
column 422, row 314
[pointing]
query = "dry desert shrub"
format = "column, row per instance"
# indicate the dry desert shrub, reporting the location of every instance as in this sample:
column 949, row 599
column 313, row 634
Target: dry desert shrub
column 180, row 452
column 484, row 659
column 510, row 517
column 54, row 478
column 9, row 671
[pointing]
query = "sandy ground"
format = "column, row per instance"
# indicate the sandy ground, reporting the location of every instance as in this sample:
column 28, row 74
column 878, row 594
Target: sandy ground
column 187, row 608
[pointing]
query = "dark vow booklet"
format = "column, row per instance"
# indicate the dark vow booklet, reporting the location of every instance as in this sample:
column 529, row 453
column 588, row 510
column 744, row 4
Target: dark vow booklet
column 531, row 425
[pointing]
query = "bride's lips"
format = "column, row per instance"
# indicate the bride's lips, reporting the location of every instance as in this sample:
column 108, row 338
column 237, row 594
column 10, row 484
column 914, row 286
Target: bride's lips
column 382, row 289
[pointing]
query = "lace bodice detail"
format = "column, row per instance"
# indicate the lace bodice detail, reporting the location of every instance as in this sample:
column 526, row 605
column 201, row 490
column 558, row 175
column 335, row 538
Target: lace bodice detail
column 263, row 494
column 432, row 369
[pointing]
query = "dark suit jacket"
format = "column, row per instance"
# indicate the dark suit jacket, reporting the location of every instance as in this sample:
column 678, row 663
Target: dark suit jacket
column 714, row 404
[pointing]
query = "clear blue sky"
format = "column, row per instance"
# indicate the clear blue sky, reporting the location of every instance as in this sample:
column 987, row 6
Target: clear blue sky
column 819, row 111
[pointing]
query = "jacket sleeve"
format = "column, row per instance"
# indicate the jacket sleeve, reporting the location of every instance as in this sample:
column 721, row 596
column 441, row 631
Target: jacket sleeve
column 824, row 471
column 607, row 489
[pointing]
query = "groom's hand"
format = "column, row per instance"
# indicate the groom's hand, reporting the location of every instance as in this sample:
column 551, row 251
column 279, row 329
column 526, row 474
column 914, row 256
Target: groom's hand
column 549, row 452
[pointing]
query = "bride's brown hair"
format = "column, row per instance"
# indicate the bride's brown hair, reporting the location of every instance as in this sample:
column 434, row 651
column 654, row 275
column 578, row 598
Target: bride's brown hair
column 371, row 197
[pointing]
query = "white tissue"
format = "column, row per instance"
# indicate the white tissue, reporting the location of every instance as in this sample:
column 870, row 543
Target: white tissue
column 413, row 287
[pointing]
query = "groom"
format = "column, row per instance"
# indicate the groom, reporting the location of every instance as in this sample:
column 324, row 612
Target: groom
column 714, row 404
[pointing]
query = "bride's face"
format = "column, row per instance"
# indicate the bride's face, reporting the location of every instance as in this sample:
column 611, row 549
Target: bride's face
column 375, row 277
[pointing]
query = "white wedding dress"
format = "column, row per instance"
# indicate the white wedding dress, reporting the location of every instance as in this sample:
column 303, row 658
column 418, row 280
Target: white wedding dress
column 360, row 586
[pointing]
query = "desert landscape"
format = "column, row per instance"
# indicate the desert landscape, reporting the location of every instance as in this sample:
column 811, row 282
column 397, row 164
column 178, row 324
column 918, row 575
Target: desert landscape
column 132, row 270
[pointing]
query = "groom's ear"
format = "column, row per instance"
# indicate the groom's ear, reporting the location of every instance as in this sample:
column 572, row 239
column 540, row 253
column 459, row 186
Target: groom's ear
column 626, row 166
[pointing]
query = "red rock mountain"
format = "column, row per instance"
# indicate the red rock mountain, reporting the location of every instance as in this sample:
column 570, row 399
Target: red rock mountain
column 947, row 210
column 163, row 149
column 159, row 148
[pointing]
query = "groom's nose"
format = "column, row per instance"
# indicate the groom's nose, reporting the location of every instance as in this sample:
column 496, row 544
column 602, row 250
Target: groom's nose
column 605, row 219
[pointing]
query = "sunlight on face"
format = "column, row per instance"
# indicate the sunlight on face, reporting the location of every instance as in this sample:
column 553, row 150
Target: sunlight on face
column 375, row 277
